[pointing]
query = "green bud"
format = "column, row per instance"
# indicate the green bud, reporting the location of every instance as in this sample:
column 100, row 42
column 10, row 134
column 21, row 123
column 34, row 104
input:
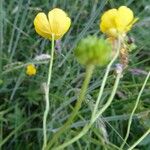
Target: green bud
column 93, row 51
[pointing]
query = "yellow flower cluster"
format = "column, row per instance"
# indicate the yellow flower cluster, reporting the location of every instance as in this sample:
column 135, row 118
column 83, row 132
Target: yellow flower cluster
column 116, row 22
column 30, row 70
column 57, row 23
column 113, row 22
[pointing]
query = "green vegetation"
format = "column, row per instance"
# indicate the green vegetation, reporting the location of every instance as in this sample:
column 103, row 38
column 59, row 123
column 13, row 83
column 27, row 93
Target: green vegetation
column 22, row 102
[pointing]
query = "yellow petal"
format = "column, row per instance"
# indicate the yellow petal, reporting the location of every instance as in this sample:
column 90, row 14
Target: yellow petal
column 59, row 22
column 108, row 20
column 42, row 25
column 124, row 18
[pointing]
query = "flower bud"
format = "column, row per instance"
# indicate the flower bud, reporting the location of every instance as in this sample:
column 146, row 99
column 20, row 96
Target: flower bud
column 93, row 51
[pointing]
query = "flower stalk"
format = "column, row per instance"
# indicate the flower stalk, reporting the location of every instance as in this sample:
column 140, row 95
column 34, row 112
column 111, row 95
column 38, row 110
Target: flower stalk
column 89, row 71
column 105, row 78
column 47, row 95
column 88, row 126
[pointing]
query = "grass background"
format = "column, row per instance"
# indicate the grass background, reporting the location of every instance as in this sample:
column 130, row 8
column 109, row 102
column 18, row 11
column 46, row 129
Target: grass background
column 21, row 97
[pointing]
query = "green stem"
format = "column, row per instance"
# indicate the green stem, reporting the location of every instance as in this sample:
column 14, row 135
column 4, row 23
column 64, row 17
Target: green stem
column 89, row 71
column 133, row 111
column 110, row 98
column 105, row 78
column 93, row 118
column 139, row 140
column 87, row 127
column 47, row 95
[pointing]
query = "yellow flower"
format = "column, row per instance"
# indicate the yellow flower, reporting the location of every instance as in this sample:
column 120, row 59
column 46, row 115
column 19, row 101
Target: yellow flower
column 30, row 70
column 117, row 21
column 57, row 23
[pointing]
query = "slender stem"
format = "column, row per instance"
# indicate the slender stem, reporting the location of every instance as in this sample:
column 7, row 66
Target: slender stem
column 140, row 139
column 87, row 127
column 133, row 111
column 89, row 71
column 51, row 62
column 47, row 95
column 105, row 77
column 110, row 98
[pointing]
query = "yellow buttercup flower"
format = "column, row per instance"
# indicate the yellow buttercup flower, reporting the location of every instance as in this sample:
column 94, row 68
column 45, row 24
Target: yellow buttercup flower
column 56, row 23
column 116, row 22
column 30, row 70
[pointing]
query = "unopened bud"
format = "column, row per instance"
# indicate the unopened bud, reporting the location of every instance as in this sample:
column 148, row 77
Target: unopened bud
column 92, row 50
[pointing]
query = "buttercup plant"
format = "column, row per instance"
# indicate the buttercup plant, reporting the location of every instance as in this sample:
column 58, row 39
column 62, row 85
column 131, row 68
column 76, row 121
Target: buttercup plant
column 52, row 27
column 86, row 89
column 115, row 24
